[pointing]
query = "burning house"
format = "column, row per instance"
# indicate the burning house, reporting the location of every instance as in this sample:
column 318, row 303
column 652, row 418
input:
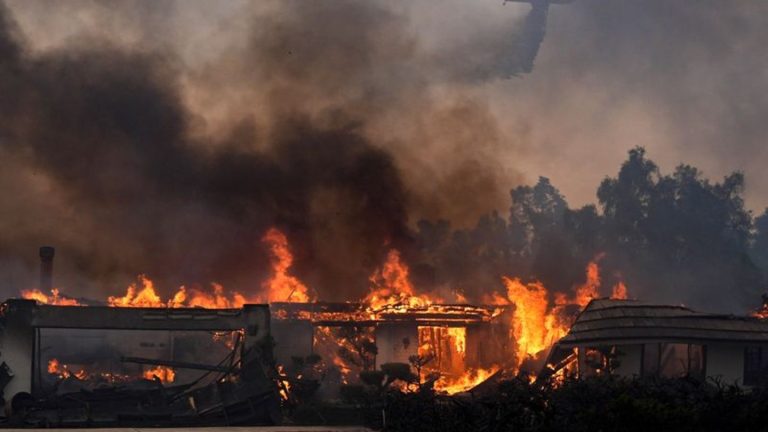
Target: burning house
column 76, row 365
column 217, row 357
column 444, row 339
column 223, row 357
column 633, row 339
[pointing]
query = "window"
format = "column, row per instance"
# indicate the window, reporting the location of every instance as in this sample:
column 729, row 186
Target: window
column 598, row 360
column 672, row 360
column 755, row 364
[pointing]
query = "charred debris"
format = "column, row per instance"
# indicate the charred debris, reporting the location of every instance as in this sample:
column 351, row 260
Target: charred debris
column 69, row 365
column 100, row 366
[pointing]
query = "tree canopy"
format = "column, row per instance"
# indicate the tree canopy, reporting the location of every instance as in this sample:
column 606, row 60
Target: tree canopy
column 674, row 238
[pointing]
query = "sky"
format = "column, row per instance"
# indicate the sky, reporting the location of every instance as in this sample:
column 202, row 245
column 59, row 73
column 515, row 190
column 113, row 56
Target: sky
column 426, row 84
column 681, row 78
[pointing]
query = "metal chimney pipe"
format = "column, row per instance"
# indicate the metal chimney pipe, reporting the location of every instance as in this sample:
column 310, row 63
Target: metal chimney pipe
column 46, row 268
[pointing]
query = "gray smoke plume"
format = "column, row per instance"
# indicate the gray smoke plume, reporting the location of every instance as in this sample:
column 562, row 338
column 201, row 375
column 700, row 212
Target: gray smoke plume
column 165, row 136
column 105, row 138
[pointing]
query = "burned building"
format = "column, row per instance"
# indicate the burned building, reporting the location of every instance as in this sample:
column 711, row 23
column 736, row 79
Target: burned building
column 76, row 366
column 632, row 338
column 453, row 342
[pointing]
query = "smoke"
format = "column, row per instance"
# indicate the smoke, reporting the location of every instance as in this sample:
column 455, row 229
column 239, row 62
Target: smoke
column 681, row 78
column 129, row 160
column 165, row 136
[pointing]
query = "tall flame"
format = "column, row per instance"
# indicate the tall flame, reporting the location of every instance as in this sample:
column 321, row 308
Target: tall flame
column 282, row 287
column 588, row 290
column 535, row 325
column 391, row 285
column 619, row 291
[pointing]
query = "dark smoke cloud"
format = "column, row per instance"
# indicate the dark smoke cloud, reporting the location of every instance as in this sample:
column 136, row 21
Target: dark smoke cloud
column 164, row 136
column 107, row 128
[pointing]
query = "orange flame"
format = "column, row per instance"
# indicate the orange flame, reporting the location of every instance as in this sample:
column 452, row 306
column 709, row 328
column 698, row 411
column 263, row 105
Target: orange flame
column 588, row 290
column 54, row 299
column 619, row 291
column 390, row 285
column 446, row 348
column 282, row 287
column 56, row 368
column 144, row 294
column 285, row 383
column 53, row 366
column 465, row 382
column 535, row 326
column 138, row 295
column 164, row 374
column 217, row 300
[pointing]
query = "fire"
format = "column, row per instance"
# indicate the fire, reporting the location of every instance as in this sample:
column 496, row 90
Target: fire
column 619, row 291
column 443, row 351
column 535, row 326
column 62, row 370
column 465, row 382
column 282, row 287
column 588, row 290
column 458, row 336
column 762, row 312
column 539, row 318
column 390, row 285
column 54, row 299
column 138, row 295
column 143, row 294
column 350, row 350
column 164, row 374
column 284, row 383
column 217, row 299
column 53, row 366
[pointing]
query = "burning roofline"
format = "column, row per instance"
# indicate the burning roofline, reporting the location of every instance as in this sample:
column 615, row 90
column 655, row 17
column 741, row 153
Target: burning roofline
column 358, row 314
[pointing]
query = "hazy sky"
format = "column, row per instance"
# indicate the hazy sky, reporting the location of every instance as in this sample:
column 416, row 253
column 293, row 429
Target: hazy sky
column 683, row 78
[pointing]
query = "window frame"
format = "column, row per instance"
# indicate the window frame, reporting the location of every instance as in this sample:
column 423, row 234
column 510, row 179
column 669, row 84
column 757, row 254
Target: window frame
column 752, row 377
column 657, row 362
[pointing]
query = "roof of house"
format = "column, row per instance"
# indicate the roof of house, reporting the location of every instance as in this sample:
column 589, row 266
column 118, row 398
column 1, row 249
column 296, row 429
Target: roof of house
column 606, row 321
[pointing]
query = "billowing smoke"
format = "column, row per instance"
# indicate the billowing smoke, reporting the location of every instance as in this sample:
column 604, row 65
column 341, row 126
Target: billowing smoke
column 129, row 162
column 164, row 137
column 107, row 133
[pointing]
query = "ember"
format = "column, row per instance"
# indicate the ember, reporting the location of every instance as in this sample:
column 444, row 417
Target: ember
column 162, row 373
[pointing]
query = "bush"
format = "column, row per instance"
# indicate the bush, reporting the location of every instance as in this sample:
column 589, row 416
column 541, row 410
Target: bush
column 600, row 403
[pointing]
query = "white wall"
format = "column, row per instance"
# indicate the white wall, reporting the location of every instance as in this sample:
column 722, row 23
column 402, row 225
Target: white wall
column 724, row 361
column 389, row 341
